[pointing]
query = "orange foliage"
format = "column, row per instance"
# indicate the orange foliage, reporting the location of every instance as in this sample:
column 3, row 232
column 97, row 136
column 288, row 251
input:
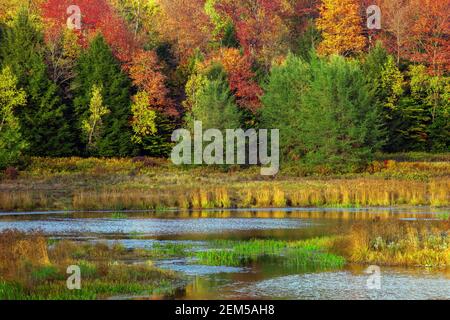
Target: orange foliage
column 186, row 24
column 430, row 43
column 146, row 73
column 260, row 26
column 240, row 78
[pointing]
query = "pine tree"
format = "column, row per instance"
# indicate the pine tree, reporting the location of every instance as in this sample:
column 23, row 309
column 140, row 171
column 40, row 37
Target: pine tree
column 282, row 107
column 215, row 105
column 340, row 127
column 392, row 83
column 430, row 126
column 98, row 66
column 43, row 121
column 11, row 143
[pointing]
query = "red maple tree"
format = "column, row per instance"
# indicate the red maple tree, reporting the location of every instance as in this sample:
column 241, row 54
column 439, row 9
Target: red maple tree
column 145, row 71
column 96, row 16
column 430, row 43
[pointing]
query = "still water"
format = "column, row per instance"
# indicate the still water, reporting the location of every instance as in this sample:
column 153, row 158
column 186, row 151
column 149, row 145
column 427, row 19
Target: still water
column 266, row 279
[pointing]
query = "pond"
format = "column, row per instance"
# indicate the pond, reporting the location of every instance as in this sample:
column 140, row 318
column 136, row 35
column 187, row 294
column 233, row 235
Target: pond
column 266, row 278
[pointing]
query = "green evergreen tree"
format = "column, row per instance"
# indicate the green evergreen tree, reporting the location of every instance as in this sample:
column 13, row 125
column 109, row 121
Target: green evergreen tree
column 43, row 121
column 282, row 108
column 98, row 67
column 160, row 144
column 340, row 126
column 308, row 41
column 429, row 98
column 214, row 104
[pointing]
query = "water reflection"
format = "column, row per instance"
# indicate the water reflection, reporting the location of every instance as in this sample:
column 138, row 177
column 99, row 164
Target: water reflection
column 264, row 279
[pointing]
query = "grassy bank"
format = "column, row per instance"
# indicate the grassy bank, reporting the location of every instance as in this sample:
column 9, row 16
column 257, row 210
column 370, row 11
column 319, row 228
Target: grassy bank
column 30, row 268
column 397, row 243
column 145, row 183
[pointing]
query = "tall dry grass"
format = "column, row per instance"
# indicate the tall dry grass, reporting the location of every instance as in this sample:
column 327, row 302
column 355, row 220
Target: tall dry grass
column 22, row 200
column 343, row 193
column 145, row 183
column 19, row 251
column 394, row 242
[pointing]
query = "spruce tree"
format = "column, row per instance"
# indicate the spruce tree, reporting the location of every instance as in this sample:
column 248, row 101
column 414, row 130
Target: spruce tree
column 282, row 108
column 340, row 127
column 43, row 121
column 214, row 104
column 97, row 66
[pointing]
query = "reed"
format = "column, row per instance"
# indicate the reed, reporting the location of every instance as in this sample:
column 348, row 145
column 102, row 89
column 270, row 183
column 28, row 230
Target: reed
column 263, row 197
column 19, row 250
column 279, row 198
column 29, row 269
column 393, row 242
column 341, row 193
column 116, row 184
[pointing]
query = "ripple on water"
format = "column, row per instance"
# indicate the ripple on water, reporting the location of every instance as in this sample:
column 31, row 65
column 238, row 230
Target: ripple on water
column 152, row 227
column 346, row 285
column 198, row 270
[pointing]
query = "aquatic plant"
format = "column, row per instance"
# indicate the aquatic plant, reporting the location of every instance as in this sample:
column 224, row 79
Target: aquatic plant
column 306, row 254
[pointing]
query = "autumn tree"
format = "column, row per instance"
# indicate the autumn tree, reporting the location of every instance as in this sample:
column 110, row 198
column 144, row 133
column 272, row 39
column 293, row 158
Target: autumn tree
column 185, row 24
column 12, row 143
column 98, row 16
column 146, row 72
column 144, row 118
column 430, row 43
column 10, row 8
column 260, row 26
column 341, row 27
column 139, row 14
column 397, row 23
column 241, row 78
column 61, row 55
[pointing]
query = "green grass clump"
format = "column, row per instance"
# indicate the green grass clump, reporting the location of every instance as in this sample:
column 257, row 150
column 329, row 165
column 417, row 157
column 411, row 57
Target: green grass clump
column 169, row 250
column 306, row 254
column 118, row 215
column 310, row 260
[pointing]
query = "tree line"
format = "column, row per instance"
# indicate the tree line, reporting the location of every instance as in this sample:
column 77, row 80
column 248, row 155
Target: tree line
column 138, row 69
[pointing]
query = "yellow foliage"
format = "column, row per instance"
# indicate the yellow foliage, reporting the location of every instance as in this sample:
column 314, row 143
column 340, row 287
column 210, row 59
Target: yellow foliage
column 340, row 24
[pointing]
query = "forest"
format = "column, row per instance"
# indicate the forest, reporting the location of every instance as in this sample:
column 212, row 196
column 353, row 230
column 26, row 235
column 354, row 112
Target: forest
column 111, row 78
